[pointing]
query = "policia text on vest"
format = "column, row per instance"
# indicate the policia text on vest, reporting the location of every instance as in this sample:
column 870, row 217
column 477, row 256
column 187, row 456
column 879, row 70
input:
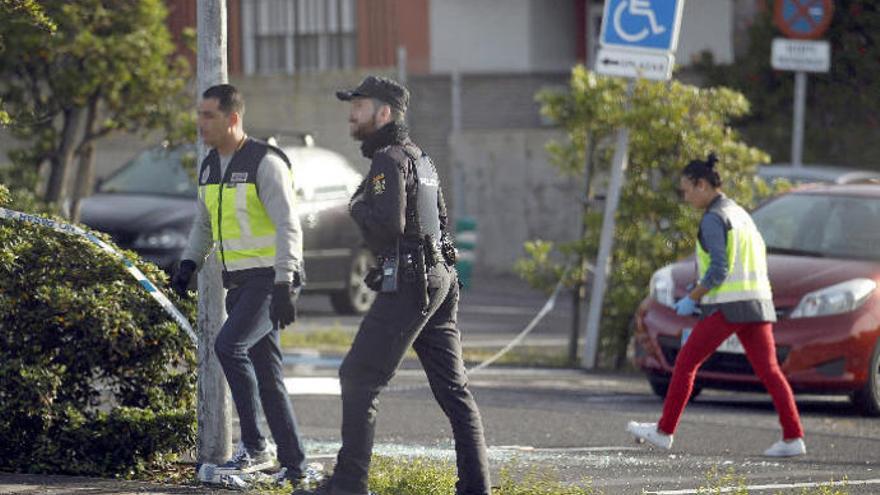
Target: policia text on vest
column 400, row 211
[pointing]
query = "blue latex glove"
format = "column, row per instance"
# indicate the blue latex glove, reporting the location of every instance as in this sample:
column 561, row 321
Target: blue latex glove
column 685, row 306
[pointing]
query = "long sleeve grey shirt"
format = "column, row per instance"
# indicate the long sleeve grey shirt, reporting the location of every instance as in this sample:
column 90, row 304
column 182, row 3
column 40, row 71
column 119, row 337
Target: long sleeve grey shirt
column 713, row 238
column 275, row 188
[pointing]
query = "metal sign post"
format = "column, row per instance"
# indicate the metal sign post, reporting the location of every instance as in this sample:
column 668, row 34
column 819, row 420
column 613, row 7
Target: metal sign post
column 638, row 39
column 606, row 242
column 801, row 20
column 797, row 130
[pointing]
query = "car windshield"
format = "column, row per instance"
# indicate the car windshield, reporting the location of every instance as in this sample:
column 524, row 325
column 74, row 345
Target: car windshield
column 821, row 225
column 154, row 171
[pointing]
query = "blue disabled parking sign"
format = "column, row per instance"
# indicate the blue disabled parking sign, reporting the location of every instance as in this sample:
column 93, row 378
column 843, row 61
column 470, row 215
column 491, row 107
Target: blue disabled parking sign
column 642, row 24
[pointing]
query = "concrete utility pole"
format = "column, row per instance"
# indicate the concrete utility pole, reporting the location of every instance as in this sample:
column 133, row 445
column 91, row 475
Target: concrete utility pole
column 215, row 439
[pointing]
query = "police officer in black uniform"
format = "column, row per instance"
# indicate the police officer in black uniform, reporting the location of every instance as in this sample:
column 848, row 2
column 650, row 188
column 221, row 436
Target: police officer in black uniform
column 400, row 210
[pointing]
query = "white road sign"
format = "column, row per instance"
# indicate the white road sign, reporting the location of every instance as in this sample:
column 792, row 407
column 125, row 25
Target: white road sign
column 800, row 55
column 627, row 63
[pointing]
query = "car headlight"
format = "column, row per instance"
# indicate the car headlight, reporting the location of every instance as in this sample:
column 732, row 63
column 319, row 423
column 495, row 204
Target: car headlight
column 839, row 298
column 162, row 239
column 662, row 286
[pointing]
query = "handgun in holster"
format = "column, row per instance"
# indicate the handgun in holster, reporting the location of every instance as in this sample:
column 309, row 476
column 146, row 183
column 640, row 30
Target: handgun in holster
column 429, row 256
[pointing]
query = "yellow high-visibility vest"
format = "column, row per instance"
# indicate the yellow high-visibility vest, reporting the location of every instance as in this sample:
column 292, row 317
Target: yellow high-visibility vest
column 240, row 225
column 746, row 259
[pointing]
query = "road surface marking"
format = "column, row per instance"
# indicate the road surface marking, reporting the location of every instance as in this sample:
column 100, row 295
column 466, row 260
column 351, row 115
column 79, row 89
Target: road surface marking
column 529, row 448
column 313, row 386
column 776, row 486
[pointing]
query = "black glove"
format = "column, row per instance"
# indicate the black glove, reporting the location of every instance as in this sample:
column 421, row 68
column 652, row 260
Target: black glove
column 282, row 308
column 373, row 278
column 180, row 280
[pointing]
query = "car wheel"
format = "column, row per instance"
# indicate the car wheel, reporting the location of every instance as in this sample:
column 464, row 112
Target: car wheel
column 356, row 298
column 867, row 399
column 660, row 386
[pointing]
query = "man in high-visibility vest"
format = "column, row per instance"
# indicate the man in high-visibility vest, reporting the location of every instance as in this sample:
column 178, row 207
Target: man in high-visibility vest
column 246, row 210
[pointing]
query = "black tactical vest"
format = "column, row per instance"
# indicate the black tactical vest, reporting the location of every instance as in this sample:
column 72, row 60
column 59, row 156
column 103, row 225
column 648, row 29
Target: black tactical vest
column 244, row 163
column 422, row 197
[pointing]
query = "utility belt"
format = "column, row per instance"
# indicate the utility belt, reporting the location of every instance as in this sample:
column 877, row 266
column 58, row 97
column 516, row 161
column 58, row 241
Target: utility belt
column 237, row 278
column 409, row 261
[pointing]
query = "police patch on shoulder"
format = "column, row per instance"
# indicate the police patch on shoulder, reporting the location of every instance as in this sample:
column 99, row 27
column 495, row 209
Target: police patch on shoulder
column 206, row 174
column 379, row 184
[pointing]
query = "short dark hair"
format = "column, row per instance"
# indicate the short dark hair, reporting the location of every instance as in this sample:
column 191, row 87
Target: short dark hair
column 228, row 96
column 396, row 114
column 703, row 169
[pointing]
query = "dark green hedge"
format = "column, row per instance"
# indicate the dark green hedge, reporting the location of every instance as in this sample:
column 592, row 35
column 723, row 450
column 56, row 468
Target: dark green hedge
column 95, row 378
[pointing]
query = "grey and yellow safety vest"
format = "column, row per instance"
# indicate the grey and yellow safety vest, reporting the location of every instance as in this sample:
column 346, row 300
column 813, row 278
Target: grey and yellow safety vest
column 240, row 225
column 746, row 258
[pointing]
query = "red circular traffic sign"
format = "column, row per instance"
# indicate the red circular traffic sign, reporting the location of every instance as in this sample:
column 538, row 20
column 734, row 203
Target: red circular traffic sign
column 803, row 19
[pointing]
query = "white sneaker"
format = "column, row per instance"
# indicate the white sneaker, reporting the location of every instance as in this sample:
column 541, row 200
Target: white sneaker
column 649, row 432
column 787, row 448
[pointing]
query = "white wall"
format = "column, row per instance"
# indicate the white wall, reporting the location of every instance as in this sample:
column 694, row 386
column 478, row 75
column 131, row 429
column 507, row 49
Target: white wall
column 480, row 35
column 706, row 25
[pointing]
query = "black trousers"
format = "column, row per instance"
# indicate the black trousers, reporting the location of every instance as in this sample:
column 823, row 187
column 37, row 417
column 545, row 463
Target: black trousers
column 394, row 323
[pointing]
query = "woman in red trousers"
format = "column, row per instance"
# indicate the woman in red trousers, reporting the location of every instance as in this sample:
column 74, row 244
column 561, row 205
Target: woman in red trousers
column 735, row 297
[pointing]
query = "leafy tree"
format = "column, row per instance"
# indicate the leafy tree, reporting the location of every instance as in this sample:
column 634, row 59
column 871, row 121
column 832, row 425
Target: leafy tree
column 841, row 123
column 670, row 124
column 21, row 11
column 109, row 66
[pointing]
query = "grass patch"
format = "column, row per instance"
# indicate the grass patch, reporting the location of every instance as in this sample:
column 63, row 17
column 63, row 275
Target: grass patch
column 338, row 341
column 420, row 476
column 332, row 339
column 417, row 476
column 424, row 476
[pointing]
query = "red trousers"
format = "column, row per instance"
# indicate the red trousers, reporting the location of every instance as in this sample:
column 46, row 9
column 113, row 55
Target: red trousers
column 757, row 340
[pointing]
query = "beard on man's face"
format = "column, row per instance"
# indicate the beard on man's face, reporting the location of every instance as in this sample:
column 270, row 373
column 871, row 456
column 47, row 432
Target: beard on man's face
column 362, row 130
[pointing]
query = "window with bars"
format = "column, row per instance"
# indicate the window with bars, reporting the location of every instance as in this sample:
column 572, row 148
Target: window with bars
column 288, row 36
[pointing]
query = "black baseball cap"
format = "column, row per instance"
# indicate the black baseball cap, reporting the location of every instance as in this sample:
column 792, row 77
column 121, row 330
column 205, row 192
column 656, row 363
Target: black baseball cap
column 381, row 88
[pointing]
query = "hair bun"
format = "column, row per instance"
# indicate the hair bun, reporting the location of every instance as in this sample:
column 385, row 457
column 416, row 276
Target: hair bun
column 711, row 160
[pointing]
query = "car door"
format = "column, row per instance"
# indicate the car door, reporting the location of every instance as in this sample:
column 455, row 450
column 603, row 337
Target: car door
column 329, row 235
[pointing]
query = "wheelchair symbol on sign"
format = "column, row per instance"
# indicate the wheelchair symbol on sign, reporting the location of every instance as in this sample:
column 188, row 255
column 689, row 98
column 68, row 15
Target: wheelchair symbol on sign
column 637, row 8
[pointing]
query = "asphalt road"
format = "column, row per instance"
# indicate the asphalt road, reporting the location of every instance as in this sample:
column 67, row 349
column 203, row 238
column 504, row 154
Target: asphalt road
column 572, row 422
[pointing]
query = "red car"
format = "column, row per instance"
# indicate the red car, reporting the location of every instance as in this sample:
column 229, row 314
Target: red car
column 823, row 247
